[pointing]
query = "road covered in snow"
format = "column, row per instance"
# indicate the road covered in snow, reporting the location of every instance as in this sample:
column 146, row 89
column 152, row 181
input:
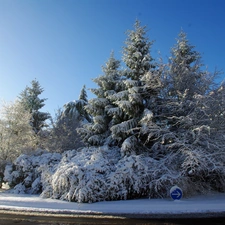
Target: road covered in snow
column 212, row 205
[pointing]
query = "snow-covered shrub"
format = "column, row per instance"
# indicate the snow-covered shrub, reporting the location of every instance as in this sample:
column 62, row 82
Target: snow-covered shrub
column 130, row 179
column 195, row 168
column 82, row 175
column 25, row 174
column 205, row 168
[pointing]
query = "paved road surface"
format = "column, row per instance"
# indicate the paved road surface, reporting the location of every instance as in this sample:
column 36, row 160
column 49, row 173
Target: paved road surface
column 6, row 219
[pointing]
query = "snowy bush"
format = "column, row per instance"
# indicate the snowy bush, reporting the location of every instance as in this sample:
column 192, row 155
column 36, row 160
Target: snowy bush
column 25, row 173
column 102, row 173
column 195, row 168
column 81, row 175
column 130, row 179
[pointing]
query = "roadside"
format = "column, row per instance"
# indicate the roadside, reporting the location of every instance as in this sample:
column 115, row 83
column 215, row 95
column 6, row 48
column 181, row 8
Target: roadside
column 209, row 206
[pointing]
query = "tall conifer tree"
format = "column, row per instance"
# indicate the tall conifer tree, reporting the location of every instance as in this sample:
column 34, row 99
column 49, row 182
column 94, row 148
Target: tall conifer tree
column 101, row 108
column 186, row 77
column 131, row 100
column 29, row 98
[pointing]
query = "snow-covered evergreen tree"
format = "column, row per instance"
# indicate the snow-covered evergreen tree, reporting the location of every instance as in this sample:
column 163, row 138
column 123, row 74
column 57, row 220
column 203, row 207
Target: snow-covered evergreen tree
column 83, row 94
column 134, row 95
column 136, row 53
column 29, row 98
column 186, row 77
column 101, row 108
column 186, row 86
column 76, row 109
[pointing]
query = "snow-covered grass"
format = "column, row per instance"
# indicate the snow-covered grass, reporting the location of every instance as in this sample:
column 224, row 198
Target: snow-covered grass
column 200, row 206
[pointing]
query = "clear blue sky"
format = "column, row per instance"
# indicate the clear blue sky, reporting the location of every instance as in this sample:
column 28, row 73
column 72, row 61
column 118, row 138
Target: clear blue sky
column 64, row 43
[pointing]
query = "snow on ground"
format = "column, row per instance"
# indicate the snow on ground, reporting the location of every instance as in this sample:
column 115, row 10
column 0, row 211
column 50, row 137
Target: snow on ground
column 210, row 204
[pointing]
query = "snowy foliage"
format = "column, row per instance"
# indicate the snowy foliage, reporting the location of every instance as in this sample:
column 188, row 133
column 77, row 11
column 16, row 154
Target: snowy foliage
column 81, row 176
column 100, row 173
column 162, row 113
column 128, row 102
column 215, row 108
column 26, row 173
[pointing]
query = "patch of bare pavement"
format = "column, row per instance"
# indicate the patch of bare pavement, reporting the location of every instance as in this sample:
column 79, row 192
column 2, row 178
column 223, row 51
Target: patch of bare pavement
column 97, row 215
column 38, row 218
column 7, row 219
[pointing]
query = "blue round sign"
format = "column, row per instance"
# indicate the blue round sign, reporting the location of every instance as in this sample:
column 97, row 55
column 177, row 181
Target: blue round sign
column 176, row 193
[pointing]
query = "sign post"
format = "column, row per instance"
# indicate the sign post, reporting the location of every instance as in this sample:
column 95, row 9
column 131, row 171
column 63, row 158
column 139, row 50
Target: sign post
column 176, row 193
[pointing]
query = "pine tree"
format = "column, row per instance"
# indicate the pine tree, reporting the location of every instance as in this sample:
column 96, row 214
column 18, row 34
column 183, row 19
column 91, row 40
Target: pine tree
column 83, row 94
column 185, row 78
column 29, row 98
column 136, row 53
column 101, row 109
column 186, row 139
column 187, row 86
column 76, row 109
column 132, row 99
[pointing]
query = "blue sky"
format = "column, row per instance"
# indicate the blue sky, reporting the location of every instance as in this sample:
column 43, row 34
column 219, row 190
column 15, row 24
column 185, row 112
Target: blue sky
column 64, row 43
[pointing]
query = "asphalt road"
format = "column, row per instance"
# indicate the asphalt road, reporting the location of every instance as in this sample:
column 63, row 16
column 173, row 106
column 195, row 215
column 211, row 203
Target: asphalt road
column 6, row 219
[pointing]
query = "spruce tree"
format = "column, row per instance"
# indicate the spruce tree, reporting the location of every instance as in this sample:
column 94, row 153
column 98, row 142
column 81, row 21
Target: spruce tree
column 100, row 108
column 29, row 98
column 76, row 109
column 186, row 77
column 132, row 99
column 83, row 94
column 187, row 87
